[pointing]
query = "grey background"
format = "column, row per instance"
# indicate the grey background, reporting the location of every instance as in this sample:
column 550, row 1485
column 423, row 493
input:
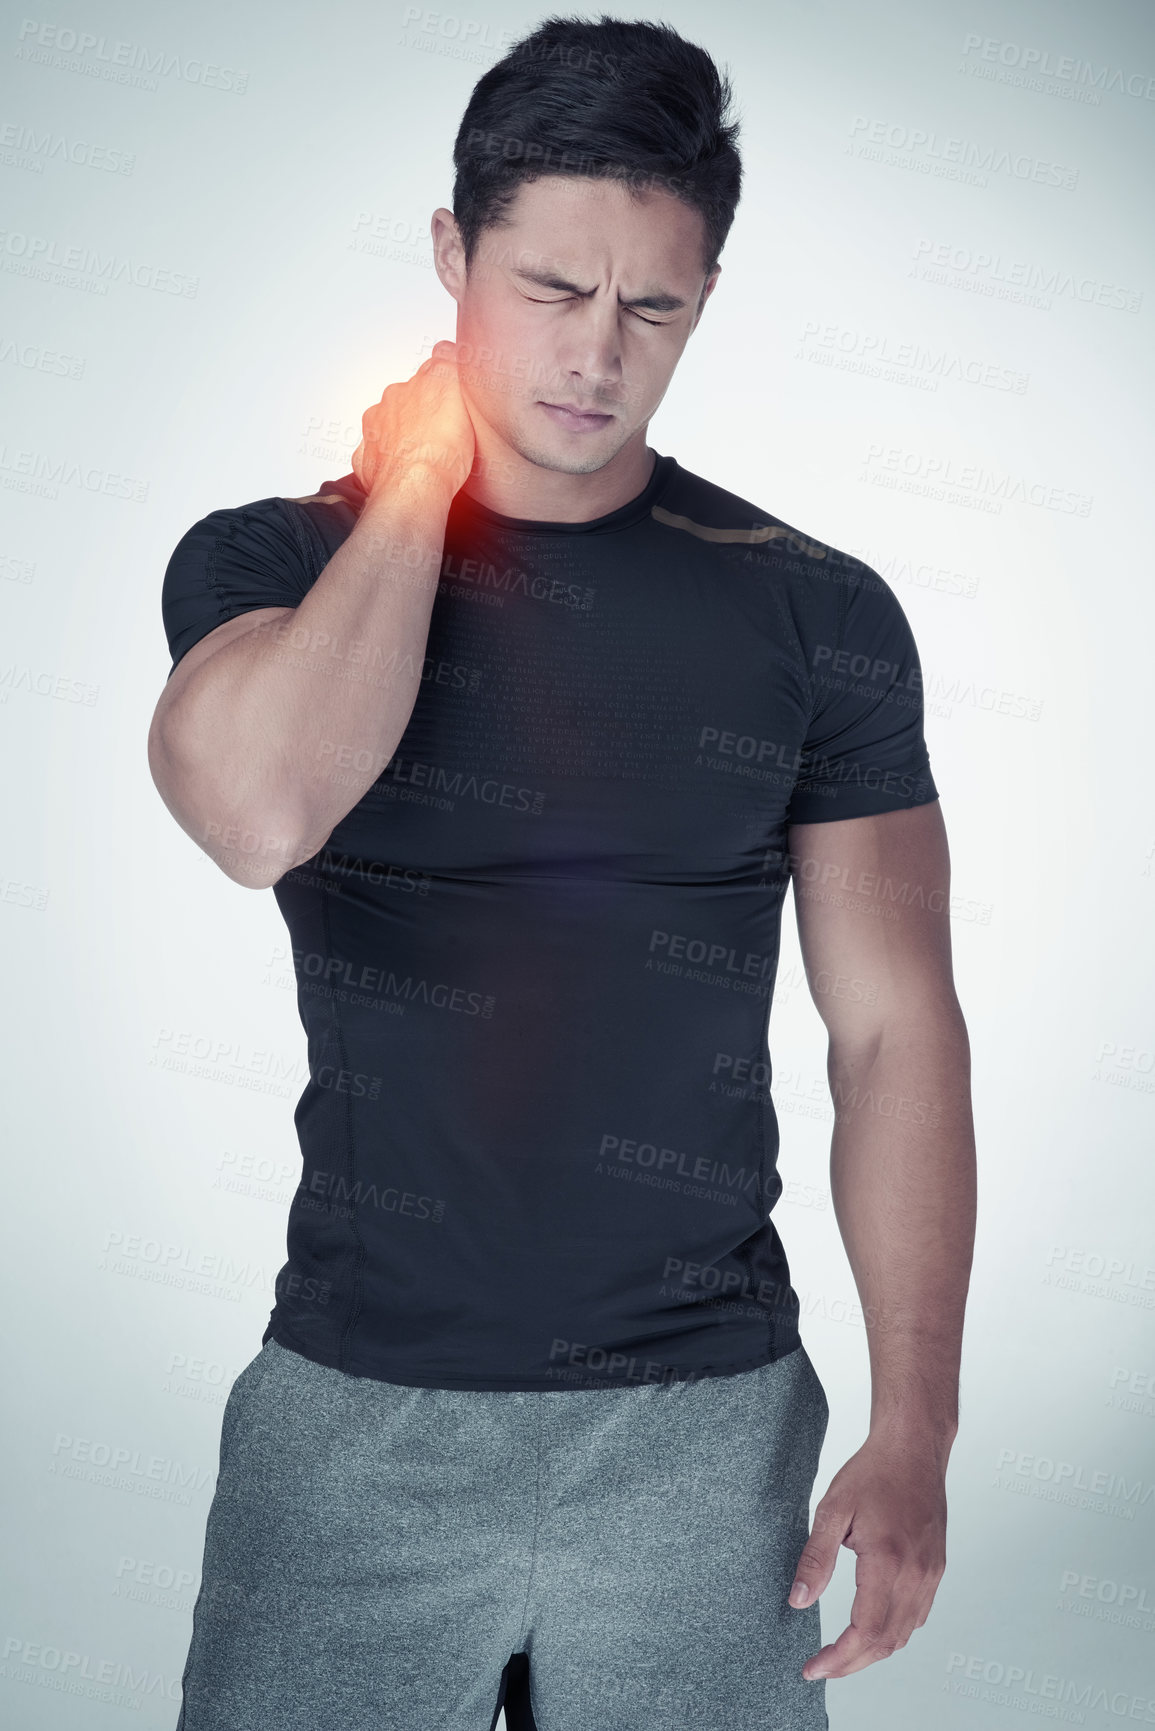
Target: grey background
column 930, row 345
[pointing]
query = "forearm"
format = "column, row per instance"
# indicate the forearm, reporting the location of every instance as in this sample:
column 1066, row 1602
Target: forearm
column 903, row 1184
column 280, row 732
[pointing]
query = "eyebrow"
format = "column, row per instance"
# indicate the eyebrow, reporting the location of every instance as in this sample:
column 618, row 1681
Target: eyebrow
column 657, row 303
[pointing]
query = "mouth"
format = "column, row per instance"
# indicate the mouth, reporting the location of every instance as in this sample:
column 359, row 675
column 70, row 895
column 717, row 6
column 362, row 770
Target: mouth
column 576, row 420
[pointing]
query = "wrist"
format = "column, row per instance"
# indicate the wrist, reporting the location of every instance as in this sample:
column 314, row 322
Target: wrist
column 410, row 503
column 918, row 1429
column 423, row 480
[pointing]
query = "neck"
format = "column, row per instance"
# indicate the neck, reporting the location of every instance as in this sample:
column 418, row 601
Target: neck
column 504, row 481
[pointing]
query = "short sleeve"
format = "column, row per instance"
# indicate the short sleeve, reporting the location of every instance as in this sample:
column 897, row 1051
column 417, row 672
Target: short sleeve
column 230, row 562
column 865, row 751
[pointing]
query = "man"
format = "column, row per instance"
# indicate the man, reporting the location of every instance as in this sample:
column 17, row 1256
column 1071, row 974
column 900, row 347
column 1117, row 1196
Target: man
column 529, row 728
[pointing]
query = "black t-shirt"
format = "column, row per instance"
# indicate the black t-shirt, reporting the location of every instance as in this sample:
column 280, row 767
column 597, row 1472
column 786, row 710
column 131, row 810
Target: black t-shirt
column 535, row 961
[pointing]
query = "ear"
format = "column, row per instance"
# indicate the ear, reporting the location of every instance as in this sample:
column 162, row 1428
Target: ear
column 707, row 291
column 448, row 252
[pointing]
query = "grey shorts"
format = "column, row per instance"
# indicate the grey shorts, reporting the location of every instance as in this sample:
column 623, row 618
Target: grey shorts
column 388, row 1558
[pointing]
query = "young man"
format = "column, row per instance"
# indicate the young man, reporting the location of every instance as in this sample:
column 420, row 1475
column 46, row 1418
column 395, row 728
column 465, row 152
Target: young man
column 529, row 728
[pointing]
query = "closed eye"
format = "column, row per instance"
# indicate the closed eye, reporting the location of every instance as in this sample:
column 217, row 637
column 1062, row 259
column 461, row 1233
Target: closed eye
column 565, row 298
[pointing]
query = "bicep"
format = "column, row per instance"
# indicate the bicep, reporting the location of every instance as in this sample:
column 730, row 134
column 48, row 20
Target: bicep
column 872, row 902
column 207, row 646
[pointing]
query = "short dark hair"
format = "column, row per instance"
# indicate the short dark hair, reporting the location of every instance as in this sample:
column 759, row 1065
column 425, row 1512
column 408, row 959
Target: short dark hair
column 625, row 100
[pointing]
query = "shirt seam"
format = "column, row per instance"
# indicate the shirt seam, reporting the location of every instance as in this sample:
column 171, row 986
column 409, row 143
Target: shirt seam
column 537, row 1505
column 302, row 525
column 357, row 1283
column 764, row 1046
column 843, row 592
column 211, row 566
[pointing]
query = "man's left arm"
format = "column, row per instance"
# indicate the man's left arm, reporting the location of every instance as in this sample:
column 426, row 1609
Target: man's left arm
column 872, row 899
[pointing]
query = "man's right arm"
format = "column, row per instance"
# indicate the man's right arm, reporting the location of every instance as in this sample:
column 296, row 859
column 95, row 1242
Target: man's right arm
column 254, row 738
column 244, row 743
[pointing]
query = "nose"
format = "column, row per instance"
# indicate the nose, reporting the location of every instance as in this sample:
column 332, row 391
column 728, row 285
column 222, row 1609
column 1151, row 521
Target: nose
column 591, row 344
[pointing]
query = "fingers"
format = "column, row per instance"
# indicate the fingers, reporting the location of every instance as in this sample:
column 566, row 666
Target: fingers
column 421, row 421
column 820, row 1553
column 867, row 1636
column 438, row 355
column 892, row 1599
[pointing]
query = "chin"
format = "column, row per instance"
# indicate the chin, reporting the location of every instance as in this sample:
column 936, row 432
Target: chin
column 548, row 455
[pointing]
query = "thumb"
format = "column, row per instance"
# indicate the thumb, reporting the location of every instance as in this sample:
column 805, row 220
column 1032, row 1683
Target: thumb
column 442, row 354
column 819, row 1554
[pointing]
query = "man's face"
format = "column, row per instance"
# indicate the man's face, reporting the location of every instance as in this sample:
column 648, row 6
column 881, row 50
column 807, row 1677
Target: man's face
column 529, row 345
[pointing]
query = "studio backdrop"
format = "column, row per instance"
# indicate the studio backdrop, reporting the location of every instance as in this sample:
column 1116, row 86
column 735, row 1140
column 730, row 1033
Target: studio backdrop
column 930, row 346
